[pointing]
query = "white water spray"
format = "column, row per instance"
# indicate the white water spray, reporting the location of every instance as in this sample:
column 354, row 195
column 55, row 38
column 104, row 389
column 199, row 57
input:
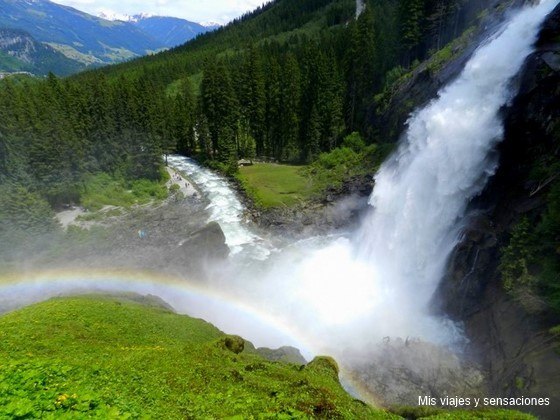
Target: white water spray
column 347, row 294
column 224, row 207
column 380, row 283
column 360, row 7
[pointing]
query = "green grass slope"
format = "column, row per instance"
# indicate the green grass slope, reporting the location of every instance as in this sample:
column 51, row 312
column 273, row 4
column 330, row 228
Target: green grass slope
column 111, row 357
column 274, row 185
column 131, row 357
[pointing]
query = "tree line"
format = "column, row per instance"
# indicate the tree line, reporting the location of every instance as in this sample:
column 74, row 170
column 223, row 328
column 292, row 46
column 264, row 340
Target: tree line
column 289, row 96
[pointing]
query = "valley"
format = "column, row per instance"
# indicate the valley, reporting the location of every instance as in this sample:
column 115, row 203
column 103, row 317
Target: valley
column 375, row 182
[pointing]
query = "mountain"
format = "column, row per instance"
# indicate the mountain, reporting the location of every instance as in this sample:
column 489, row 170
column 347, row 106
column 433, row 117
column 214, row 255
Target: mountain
column 167, row 30
column 170, row 31
column 78, row 35
column 88, row 40
column 20, row 52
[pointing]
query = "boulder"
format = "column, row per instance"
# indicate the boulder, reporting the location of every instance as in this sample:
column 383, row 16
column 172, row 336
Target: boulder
column 206, row 243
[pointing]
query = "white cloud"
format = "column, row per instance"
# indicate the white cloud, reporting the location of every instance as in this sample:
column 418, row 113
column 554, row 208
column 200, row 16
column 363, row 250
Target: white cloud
column 196, row 10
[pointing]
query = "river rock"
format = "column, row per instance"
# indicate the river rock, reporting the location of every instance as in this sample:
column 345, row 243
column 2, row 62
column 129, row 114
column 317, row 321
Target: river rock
column 208, row 243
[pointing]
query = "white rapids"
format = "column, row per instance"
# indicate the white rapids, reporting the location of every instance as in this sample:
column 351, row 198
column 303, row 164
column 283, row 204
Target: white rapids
column 224, row 207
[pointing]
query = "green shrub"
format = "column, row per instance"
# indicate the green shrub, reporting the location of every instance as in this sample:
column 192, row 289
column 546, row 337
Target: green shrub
column 354, row 141
column 516, row 257
column 102, row 190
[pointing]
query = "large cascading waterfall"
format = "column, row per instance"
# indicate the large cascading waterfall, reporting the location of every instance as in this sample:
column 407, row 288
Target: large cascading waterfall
column 446, row 159
column 380, row 282
column 342, row 295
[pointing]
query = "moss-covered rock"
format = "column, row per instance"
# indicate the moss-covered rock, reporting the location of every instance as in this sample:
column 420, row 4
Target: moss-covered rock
column 233, row 343
column 324, row 364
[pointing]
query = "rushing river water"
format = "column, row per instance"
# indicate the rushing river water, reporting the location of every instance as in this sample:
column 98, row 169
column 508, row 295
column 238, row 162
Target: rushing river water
column 224, row 207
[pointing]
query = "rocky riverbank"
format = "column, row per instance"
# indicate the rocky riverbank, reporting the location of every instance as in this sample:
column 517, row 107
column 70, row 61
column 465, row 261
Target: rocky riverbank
column 172, row 237
column 338, row 209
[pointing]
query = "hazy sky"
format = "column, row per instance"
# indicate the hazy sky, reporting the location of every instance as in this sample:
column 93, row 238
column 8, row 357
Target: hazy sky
column 220, row 11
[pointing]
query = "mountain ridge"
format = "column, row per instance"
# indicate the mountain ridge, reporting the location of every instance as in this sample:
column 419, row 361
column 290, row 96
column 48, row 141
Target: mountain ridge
column 88, row 40
column 21, row 53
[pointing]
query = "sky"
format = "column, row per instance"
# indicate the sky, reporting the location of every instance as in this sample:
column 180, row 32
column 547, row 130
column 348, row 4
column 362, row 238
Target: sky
column 220, row 11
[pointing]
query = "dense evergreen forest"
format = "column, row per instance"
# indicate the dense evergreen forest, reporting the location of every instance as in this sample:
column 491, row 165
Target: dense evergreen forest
column 287, row 82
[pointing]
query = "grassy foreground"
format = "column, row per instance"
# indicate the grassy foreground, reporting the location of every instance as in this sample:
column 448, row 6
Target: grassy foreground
column 115, row 358
column 274, row 185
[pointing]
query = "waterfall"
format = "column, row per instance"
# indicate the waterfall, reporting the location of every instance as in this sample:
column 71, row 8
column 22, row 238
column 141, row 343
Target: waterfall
column 382, row 279
column 343, row 294
column 224, row 207
column 422, row 191
column 360, row 6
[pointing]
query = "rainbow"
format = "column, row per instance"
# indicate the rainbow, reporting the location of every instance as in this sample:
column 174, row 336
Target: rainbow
column 226, row 311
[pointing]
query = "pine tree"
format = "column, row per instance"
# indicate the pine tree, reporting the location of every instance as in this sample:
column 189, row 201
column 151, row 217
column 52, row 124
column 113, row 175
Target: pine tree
column 361, row 69
column 219, row 105
column 273, row 117
column 411, row 16
column 290, row 108
column 252, row 97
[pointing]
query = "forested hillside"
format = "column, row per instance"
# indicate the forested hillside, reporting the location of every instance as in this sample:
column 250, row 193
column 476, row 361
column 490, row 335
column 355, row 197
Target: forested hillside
column 289, row 81
column 312, row 84
column 20, row 52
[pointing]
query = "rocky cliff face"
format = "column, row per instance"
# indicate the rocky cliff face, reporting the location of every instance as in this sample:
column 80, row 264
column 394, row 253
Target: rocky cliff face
column 20, row 52
column 17, row 44
column 508, row 335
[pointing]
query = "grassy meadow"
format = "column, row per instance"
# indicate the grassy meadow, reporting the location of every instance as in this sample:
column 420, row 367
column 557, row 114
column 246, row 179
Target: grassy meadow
column 274, row 185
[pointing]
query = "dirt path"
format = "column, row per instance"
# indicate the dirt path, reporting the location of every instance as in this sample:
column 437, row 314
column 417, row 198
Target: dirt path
column 71, row 216
column 185, row 186
column 68, row 217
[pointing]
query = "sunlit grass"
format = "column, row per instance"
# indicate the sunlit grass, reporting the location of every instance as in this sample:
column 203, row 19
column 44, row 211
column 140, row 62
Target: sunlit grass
column 108, row 357
column 103, row 190
column 274, row 185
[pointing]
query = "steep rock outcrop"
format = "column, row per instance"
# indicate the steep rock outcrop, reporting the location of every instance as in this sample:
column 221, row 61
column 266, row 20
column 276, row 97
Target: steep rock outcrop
column 509, row 338
column 208, row 243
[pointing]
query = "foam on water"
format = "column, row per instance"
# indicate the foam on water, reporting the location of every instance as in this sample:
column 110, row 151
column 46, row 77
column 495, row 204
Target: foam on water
column 224, row 207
